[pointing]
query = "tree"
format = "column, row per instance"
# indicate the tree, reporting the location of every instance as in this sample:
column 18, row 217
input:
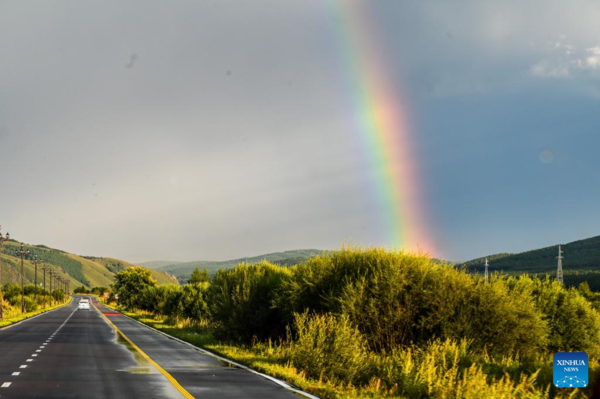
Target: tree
column 80, row 290
column 99, row 290
column 199, row 276
column 130, row 283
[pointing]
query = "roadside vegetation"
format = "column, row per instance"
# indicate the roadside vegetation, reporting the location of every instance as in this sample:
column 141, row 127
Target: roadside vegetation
column 34, row 304
column 374, row 323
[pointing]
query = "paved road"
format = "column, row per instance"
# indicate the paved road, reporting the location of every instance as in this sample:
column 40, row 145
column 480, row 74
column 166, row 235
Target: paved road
column 70, row 353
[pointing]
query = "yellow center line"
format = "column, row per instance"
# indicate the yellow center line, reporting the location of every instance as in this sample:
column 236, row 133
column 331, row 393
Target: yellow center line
column 172, row 380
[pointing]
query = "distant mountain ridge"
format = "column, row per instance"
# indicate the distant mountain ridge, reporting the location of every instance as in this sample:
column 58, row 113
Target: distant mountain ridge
column 183, row 271
column 158, row 263
column 578, row 255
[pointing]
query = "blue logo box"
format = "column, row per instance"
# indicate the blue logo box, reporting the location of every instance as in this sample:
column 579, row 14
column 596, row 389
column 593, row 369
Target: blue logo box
column 571, row 370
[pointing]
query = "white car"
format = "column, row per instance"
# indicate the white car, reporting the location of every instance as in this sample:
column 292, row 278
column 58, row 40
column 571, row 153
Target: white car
column 84, row 304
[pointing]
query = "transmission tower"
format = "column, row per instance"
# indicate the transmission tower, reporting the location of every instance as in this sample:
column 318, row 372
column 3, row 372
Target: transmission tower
column 559, row 272
column 487, row 275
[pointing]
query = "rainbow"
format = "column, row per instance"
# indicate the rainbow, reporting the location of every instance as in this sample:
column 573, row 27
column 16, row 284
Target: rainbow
column 383, row 127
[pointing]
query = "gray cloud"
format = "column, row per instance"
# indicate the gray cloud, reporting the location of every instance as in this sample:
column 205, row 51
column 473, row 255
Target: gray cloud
column 210, row 130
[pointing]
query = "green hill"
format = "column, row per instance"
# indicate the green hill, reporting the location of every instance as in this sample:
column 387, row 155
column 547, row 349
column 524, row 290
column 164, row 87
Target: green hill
column 79, row 270
column 158, row 263
column 581, row 263
column 183, row 271
column 578, row 255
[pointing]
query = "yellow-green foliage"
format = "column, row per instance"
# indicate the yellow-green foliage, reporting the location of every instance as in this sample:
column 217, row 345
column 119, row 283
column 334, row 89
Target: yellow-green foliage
column 374, row 323
column 446, row 369
column 399, row 298
column 330, row 347
column 573, row 323
column 12, row 314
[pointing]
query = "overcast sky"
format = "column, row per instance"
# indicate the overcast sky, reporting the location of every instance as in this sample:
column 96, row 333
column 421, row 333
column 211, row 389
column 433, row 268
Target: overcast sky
column 209, row 130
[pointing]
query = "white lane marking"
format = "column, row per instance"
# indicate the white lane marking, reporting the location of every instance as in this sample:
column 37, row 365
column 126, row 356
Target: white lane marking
column 44, row 344
column 16, row 373
column 29, row 360
column 42, row 347
column 6, row 385
column 34, row 355
column 23, row 366
column 38, row 350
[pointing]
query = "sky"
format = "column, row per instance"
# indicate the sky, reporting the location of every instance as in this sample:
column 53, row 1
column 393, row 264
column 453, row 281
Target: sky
column 211, row 130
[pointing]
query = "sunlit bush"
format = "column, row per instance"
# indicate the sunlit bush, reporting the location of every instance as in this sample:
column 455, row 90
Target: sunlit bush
column 574, row 325
column 241, row 302
column 397, row 298
column 330, row 347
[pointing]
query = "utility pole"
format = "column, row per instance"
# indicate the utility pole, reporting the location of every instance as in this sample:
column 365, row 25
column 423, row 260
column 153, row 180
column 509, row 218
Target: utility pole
column 22, row 253
column 50, row 272
column 559, row 271
column 44, row 268
column 35, row 262
column 487, row 275
column 2, row 239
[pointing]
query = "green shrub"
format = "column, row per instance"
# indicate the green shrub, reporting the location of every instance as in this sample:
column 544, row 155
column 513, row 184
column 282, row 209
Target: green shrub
column 30, row 304
column 156, row 299
column 328, row 346
column 397, row 298
column 58, row 295
column 12, row 293
column 187, row 302
column 241, row 302
column 574, row 325
column 193, row 301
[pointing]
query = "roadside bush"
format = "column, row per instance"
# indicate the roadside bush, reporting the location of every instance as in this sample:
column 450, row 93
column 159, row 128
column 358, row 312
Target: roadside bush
column 186, row 301
column 193, row 301
column 30, row 304
column 9, row 310
column 397, row 299
column 241, row 302
column 169, row 300
column 574, row 325
column 58, row 295
column 12, row 294
column 31, row 290
column 155, row 298
column 330, row 347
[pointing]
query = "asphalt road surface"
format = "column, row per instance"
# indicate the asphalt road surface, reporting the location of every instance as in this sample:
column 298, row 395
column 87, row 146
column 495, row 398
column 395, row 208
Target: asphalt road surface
column 70, row 353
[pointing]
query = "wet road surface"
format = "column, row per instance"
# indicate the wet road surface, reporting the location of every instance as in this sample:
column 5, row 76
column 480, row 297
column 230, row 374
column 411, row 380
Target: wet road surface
column 70, row 353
